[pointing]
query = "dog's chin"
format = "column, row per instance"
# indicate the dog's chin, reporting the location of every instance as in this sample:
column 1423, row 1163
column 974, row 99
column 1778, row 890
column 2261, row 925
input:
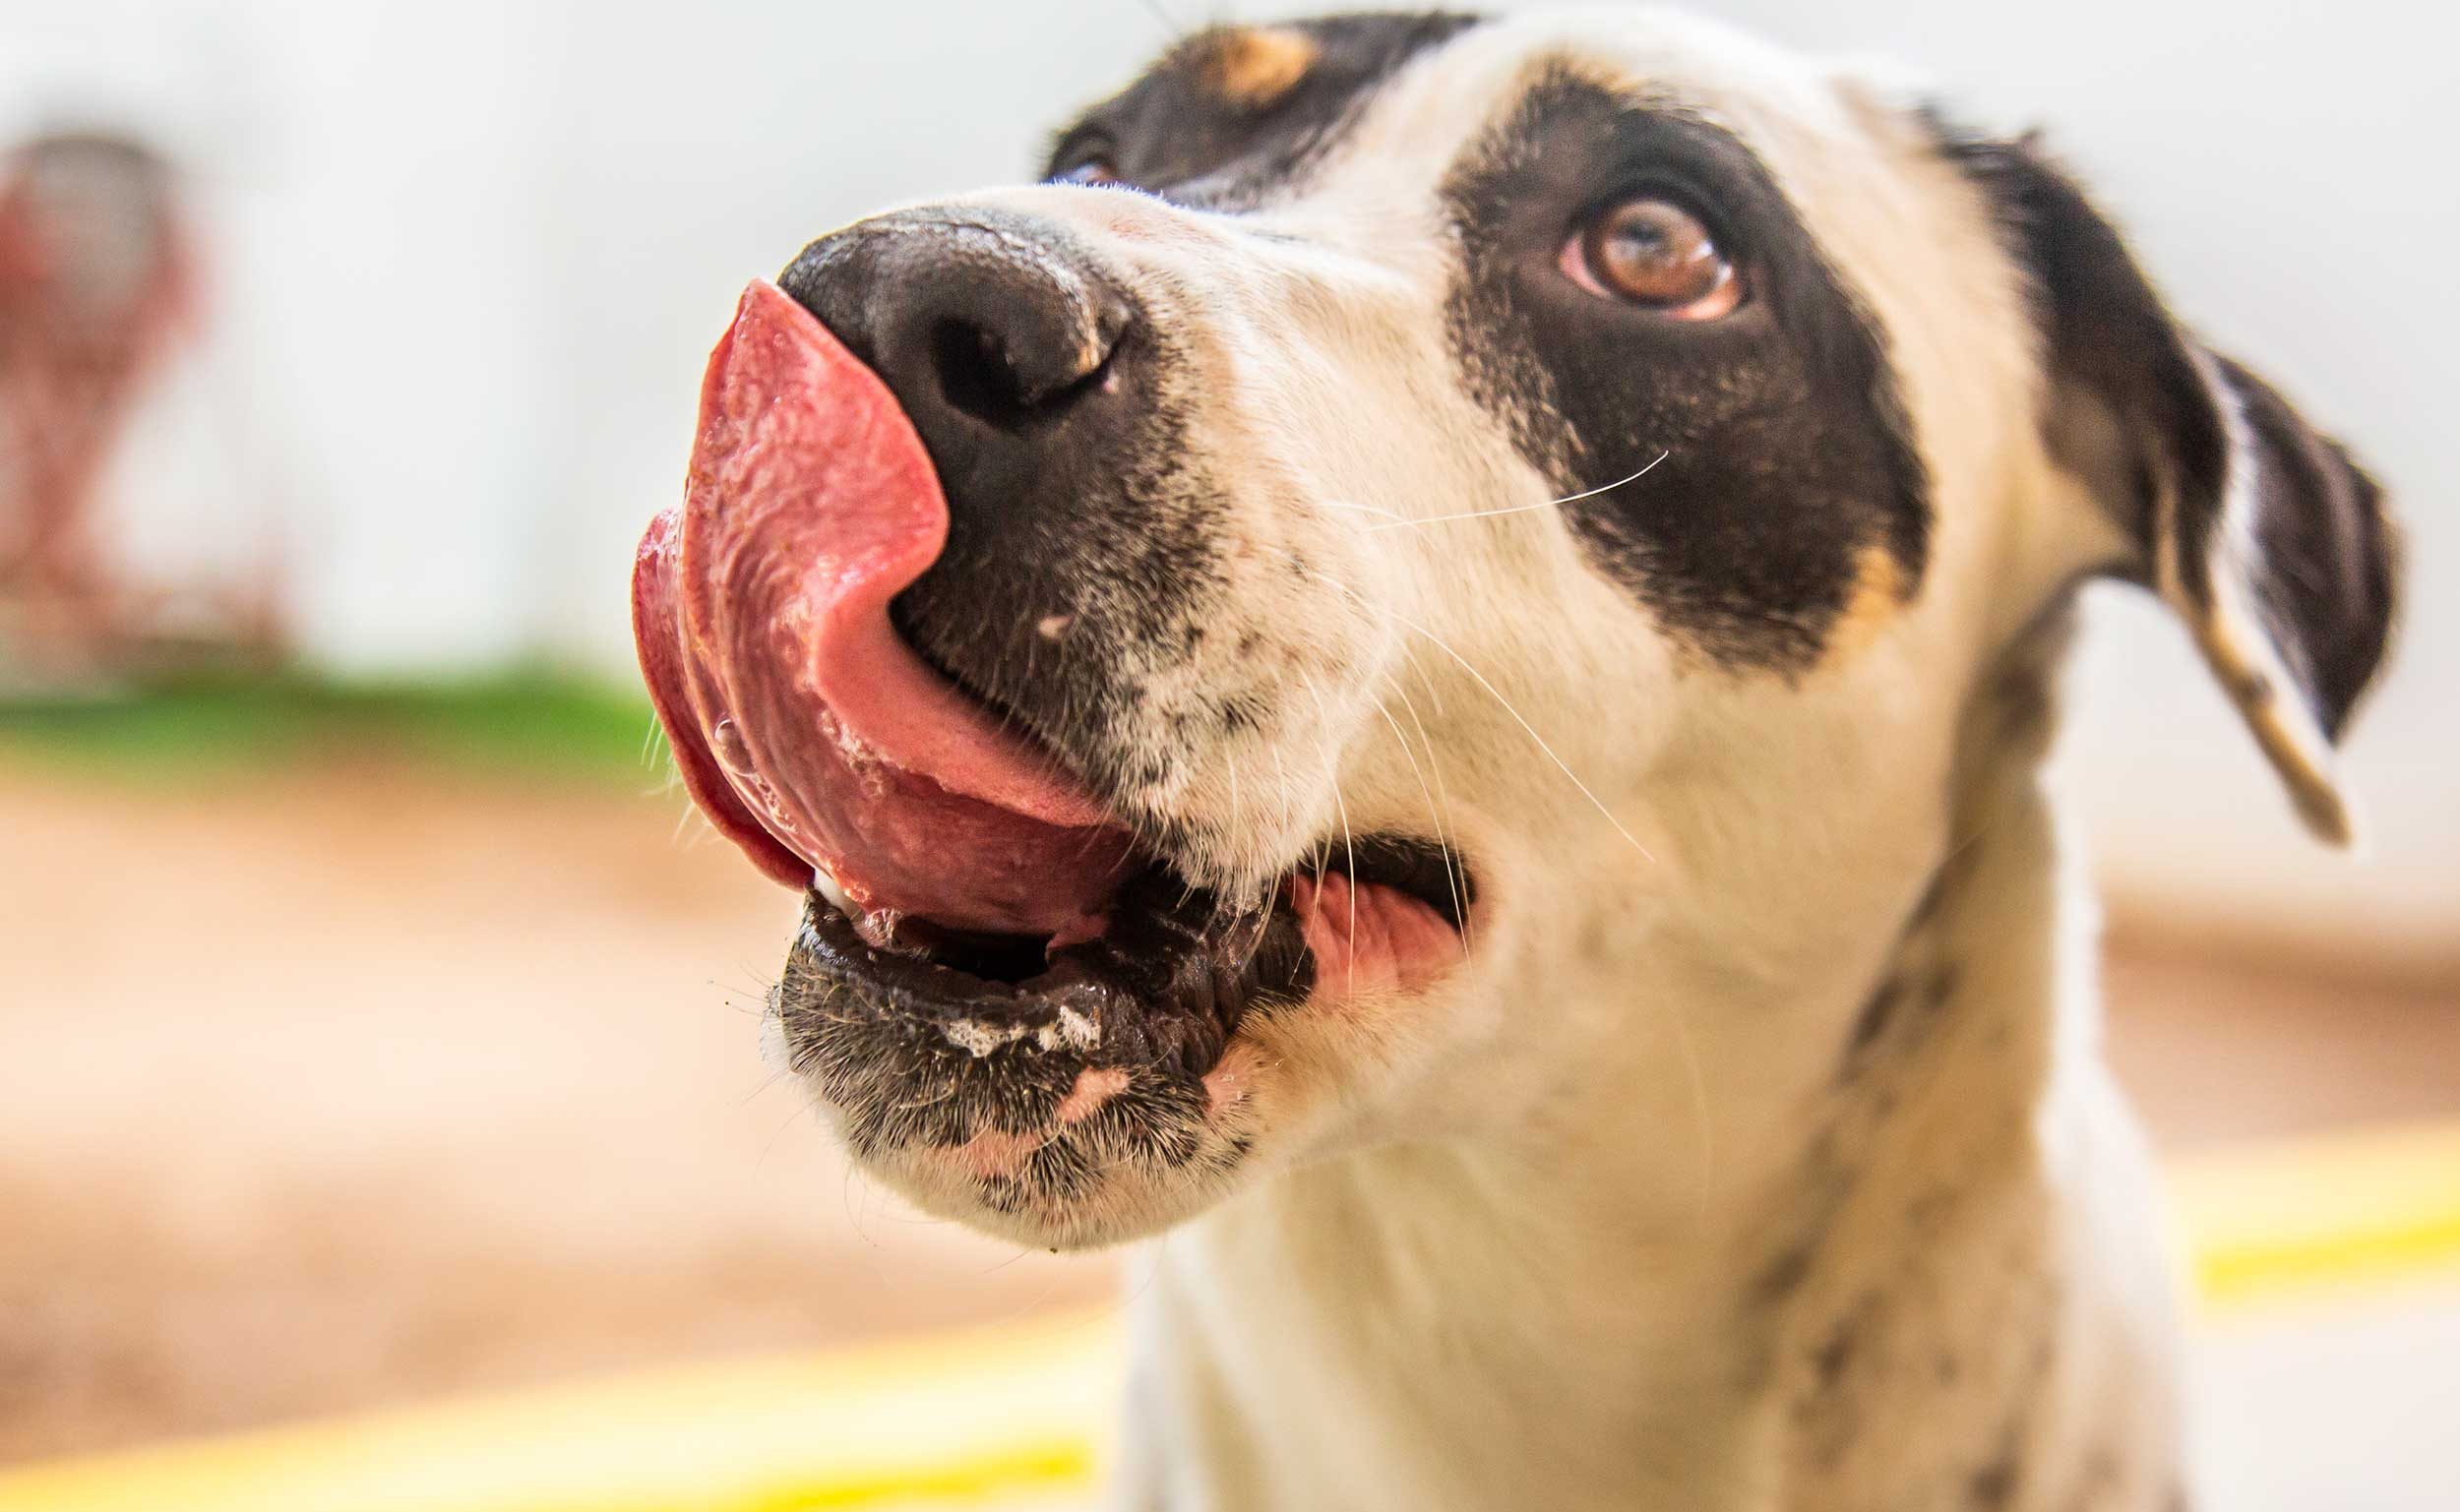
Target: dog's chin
column 1079, row 1093
column 1147, row 1167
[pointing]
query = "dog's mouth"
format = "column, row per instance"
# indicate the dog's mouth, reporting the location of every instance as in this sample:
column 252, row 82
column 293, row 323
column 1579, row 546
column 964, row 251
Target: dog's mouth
column 959, row 874
column 1164, row 982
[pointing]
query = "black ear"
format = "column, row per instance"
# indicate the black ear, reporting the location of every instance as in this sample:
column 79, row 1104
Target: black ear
column 2261, row 533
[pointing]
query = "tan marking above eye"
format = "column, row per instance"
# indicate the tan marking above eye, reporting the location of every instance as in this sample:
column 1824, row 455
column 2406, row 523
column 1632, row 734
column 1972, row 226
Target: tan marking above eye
column 1255, row 66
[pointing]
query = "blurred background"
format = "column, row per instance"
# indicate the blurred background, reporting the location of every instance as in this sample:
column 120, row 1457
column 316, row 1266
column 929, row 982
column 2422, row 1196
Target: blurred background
column 374, row 1025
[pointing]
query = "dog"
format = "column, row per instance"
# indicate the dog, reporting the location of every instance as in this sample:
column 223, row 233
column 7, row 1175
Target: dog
column 1424, row 673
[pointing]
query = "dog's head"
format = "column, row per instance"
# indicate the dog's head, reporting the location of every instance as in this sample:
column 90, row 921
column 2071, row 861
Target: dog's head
column 1418, row 540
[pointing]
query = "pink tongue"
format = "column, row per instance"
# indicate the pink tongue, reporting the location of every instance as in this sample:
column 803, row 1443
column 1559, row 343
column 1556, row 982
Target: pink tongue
column 810, row 734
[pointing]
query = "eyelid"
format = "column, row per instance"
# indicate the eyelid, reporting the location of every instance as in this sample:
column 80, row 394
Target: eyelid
column 1080, row 147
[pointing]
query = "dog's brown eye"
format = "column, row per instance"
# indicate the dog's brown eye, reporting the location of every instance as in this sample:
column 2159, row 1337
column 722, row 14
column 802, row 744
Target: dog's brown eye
column 1656, row 254
column 1093, row 171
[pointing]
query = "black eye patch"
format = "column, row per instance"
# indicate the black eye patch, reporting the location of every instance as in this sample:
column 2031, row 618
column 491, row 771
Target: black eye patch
column 1789, row 487
column 1186, row 130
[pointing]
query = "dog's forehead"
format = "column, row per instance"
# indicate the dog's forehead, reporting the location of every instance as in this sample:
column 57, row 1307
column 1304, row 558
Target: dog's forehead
column 1894, row 359
column 1231, row 116
column 1412, row 91
column 1318, row 119
column 1451, row 94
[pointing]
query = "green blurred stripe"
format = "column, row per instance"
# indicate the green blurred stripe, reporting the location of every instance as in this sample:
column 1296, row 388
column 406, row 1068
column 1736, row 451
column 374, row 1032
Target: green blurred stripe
column 545, row 720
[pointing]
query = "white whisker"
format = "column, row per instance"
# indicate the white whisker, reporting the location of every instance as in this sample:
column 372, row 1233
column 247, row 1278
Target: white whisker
column 1333, row 768
column 1519, row 509
column 686, row 834
column 1685, row 1045
column 1526, row 728
column 1434, row 689
column 1531, row 731
column 1238, row 804
column 1282, row 785
column 1442, row 837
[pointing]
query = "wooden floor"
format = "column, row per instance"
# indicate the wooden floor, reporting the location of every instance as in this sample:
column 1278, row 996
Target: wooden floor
column 353, row 1085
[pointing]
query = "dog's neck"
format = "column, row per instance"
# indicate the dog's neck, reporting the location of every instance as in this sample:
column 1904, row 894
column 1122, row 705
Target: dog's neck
column 1391, row 1327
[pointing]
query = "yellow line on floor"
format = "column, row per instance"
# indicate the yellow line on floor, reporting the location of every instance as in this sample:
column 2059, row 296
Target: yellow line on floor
column 998, row 1416
column 982, row 1418
column 2331, row 1211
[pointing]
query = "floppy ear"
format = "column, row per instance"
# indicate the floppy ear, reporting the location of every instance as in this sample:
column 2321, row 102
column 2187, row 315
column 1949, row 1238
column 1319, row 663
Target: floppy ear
column 2261, row 533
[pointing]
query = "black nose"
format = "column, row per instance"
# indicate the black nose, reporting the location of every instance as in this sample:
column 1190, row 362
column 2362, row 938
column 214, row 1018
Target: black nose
column 988, row 326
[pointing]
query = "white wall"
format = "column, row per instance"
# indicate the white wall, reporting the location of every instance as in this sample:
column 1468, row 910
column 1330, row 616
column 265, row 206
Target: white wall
column 697, row 156
column 473, row 254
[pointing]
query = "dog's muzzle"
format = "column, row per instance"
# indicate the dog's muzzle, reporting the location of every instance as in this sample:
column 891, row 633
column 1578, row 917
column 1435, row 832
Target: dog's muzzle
column 921, row 457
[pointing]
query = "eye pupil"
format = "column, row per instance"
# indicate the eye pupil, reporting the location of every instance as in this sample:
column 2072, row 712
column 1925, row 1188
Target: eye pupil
column 1657, row 254
column 1634, row 238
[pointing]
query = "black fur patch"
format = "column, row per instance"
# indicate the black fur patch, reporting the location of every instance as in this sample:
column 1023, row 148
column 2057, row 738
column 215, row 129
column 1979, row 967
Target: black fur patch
column 1788, row 457
column 1993, row 1485
column 2331, row 563
column 1174, row 133
column 2104, row 330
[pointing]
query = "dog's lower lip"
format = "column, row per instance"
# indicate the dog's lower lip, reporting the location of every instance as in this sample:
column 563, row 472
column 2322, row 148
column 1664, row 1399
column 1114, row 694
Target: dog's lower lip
column 1164, row 986
column 1166, row 982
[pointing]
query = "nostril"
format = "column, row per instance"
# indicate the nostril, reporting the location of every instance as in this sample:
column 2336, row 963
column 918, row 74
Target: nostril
column 981, row 373
column 976, row 375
